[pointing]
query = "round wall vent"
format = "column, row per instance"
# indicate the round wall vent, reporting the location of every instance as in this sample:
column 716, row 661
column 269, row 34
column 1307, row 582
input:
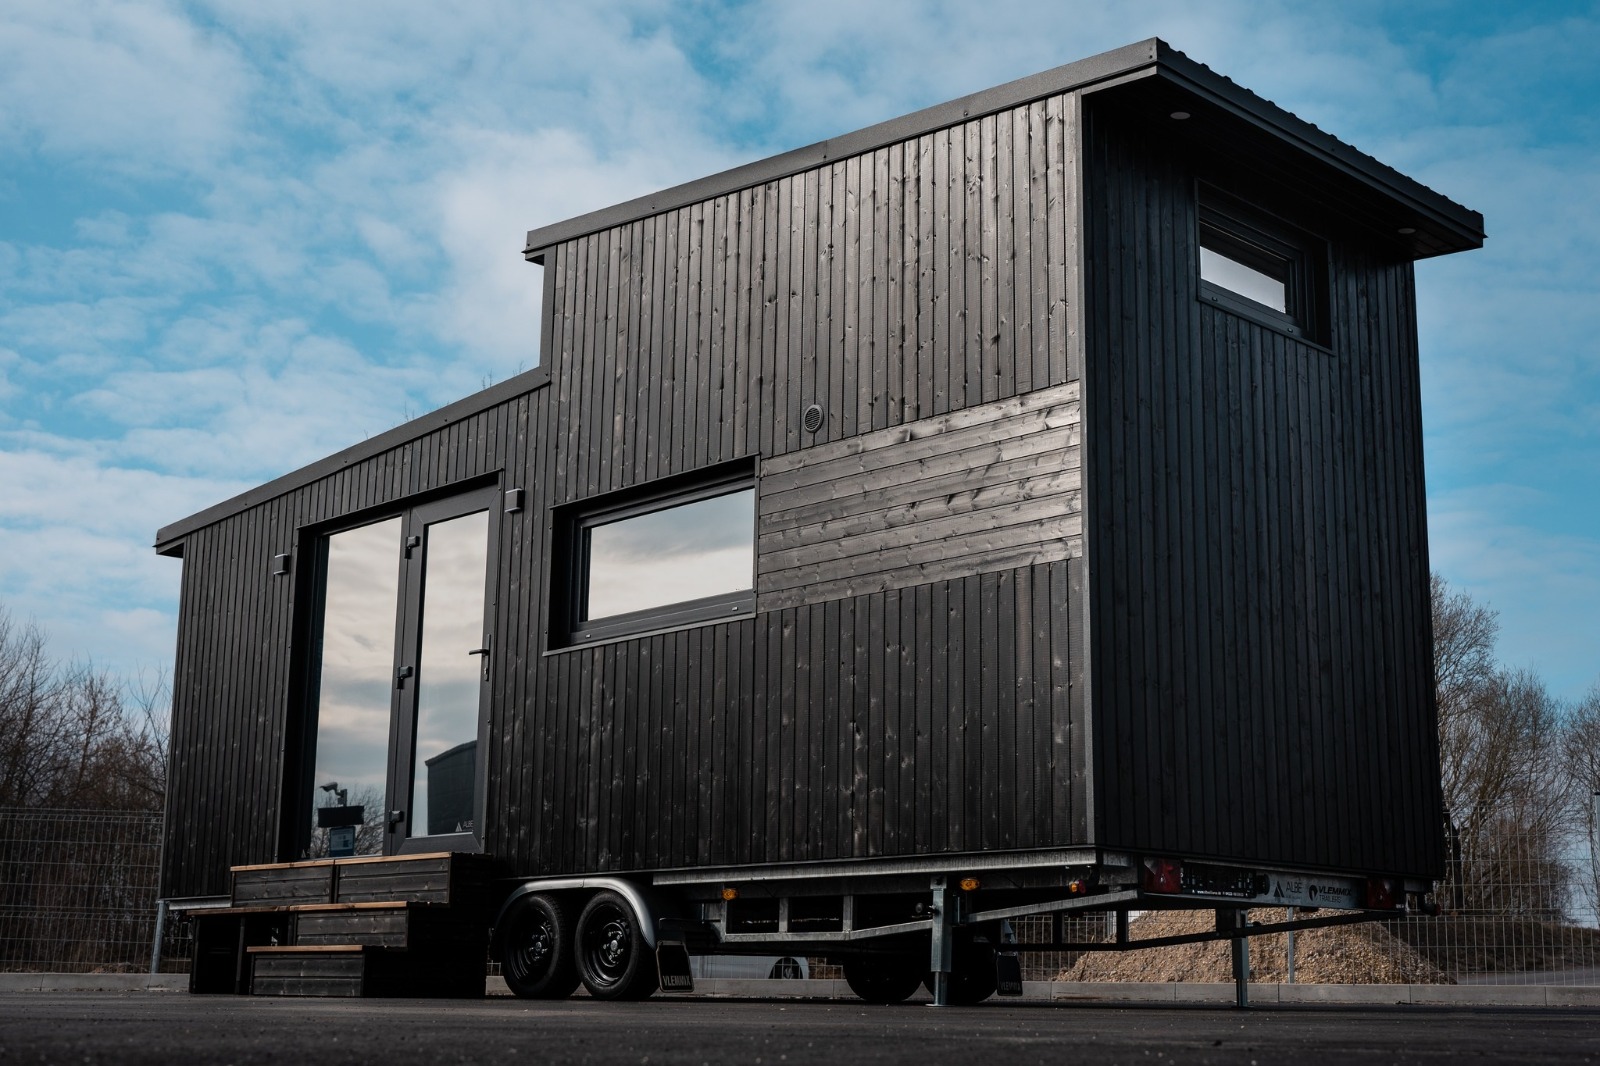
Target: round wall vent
column 813, row 418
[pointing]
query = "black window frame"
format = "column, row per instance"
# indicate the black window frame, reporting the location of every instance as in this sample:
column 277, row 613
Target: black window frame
column 571, row 544
column 1273, row 247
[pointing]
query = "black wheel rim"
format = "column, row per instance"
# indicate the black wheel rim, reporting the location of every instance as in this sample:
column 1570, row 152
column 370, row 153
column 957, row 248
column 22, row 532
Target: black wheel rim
column 608, row 945
column 535, row 948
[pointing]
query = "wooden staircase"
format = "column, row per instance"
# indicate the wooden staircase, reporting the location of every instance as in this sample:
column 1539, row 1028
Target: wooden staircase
column 405, row 925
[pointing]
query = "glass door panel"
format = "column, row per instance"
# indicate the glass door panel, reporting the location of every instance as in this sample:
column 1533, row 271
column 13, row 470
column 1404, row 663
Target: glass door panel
column 396, row 683
column 355, row 680
column 451, row 665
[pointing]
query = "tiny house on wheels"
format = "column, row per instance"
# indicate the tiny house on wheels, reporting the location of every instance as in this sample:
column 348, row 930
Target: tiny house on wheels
column 1007, row 512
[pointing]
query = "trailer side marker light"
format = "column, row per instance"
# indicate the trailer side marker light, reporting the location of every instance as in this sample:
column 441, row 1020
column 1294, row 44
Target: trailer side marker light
column 1162, row 875
column 969, row 884
column 1076, row 888
column 730, row 894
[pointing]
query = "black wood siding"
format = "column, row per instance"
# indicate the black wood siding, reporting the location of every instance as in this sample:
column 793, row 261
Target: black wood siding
column 1257, row 545
column 896, row 714
column 1178, row 597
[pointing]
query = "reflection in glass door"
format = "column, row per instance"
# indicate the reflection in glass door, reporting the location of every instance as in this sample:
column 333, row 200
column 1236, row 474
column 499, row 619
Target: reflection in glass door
column 442, row 763
column 398, row 679
column 355, row 683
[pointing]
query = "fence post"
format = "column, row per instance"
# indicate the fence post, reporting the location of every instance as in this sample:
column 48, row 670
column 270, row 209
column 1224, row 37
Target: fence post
column 1290, row 950
column 161, row 930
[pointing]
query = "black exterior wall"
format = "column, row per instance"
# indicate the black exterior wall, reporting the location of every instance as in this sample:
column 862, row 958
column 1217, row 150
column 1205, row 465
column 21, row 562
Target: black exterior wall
column 1259, row 579
column 1002, row 599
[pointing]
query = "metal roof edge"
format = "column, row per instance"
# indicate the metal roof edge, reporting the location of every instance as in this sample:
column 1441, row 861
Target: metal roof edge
column 169, row 539
column 1067, row 78
column 1201, row 80
column 1152, row 56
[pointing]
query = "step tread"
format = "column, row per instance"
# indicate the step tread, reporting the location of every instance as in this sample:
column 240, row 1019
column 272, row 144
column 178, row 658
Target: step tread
column 320, row 908
column 308, row 863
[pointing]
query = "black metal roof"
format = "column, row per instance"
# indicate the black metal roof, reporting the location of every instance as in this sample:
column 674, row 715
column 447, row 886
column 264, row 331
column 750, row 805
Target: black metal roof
column 1440, row 225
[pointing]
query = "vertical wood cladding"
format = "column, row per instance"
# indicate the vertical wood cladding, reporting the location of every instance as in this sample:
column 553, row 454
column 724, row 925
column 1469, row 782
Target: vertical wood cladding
column 920, row 294
column 919, row 279
column 1257, row 542
column 1045, row 467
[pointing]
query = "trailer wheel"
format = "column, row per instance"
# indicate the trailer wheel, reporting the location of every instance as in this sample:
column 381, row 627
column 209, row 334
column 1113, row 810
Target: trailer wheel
column 614, row 961
column 884, row 978
column 973, row 977
column 536, row 951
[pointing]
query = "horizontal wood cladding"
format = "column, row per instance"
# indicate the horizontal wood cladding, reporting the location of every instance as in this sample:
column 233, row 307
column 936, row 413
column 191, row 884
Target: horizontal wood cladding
column 1258, row 549
column 988, row 488
column 891, row 287
column 938, row 719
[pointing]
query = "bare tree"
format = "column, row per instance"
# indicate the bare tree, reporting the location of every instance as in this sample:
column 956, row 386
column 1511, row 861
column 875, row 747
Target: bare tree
column 1506, row 788
column 1581, row 751
column 69, row 736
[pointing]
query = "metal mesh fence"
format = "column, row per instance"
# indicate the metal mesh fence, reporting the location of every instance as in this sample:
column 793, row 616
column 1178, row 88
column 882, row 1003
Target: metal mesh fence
column 1510, row 923
column 78, row 891
column 78, row 895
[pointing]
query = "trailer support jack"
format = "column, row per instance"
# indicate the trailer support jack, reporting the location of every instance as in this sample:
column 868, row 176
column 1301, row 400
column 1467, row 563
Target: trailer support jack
column 942, row 943
column 1235, row 921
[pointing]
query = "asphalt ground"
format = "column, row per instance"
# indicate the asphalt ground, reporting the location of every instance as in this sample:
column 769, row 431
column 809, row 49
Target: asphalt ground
column 151, row 1027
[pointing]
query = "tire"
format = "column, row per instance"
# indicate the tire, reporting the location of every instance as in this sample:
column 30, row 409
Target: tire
column 613, row 959
column 884, row 978
column 973, row 975
column 535, row 949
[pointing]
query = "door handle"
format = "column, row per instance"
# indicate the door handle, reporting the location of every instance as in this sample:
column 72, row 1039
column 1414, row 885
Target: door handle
column 400, row 676
column 395, row 818
column 483, row 651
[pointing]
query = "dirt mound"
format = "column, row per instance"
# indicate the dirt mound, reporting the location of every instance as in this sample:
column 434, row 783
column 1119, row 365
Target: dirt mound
column 1350, row 954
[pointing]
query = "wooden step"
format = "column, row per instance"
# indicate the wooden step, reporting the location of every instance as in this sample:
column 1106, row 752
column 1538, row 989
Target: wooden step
column 364, row 970
column 455, row 878
column 328, row 970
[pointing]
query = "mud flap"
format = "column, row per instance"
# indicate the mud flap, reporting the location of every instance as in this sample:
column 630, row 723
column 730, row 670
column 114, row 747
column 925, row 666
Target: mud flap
column 672, row 965
column 1008, row 974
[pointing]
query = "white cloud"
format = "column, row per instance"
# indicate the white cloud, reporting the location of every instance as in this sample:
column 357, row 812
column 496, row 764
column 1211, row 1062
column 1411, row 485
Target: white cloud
column 135, row 85
column 1544, row 585
column 293, row 224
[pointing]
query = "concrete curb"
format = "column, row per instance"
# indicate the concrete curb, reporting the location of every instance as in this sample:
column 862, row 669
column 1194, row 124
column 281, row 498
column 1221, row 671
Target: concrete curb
column 1062, row 992
column 94, row 982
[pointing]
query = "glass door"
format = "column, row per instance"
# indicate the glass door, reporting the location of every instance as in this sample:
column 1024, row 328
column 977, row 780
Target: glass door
column 398, row 682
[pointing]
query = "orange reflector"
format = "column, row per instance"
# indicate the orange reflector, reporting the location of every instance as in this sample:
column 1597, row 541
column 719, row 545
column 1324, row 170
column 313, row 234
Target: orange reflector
column 969, row 884
column 730, row 894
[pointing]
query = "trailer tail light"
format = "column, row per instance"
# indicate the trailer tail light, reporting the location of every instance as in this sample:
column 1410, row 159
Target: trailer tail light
column 1383, row 894
column 1162, row 875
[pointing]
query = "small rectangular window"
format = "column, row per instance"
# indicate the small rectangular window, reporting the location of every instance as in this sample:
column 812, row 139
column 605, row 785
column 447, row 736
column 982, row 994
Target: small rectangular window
column 661, row 558
column 1257, row 266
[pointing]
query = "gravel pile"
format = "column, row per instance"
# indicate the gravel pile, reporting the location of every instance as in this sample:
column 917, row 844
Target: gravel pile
column 1351, row 954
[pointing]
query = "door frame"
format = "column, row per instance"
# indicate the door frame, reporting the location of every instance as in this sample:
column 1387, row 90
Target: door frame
column 298, row 753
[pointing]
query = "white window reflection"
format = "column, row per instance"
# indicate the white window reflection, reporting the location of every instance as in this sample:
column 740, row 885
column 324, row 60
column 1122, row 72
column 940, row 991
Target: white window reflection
column 357, row 669
column 445, row 758
column 1245, row 280
column 686, row 552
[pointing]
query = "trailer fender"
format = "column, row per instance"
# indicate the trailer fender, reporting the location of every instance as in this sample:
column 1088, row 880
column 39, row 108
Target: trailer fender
column 647, row 906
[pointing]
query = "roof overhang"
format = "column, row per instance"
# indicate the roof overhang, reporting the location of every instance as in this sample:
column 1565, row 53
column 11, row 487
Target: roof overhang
column 1151, row 70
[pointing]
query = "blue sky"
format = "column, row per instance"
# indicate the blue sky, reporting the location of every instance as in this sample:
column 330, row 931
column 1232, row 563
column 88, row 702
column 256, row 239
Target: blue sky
column 236, row 237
